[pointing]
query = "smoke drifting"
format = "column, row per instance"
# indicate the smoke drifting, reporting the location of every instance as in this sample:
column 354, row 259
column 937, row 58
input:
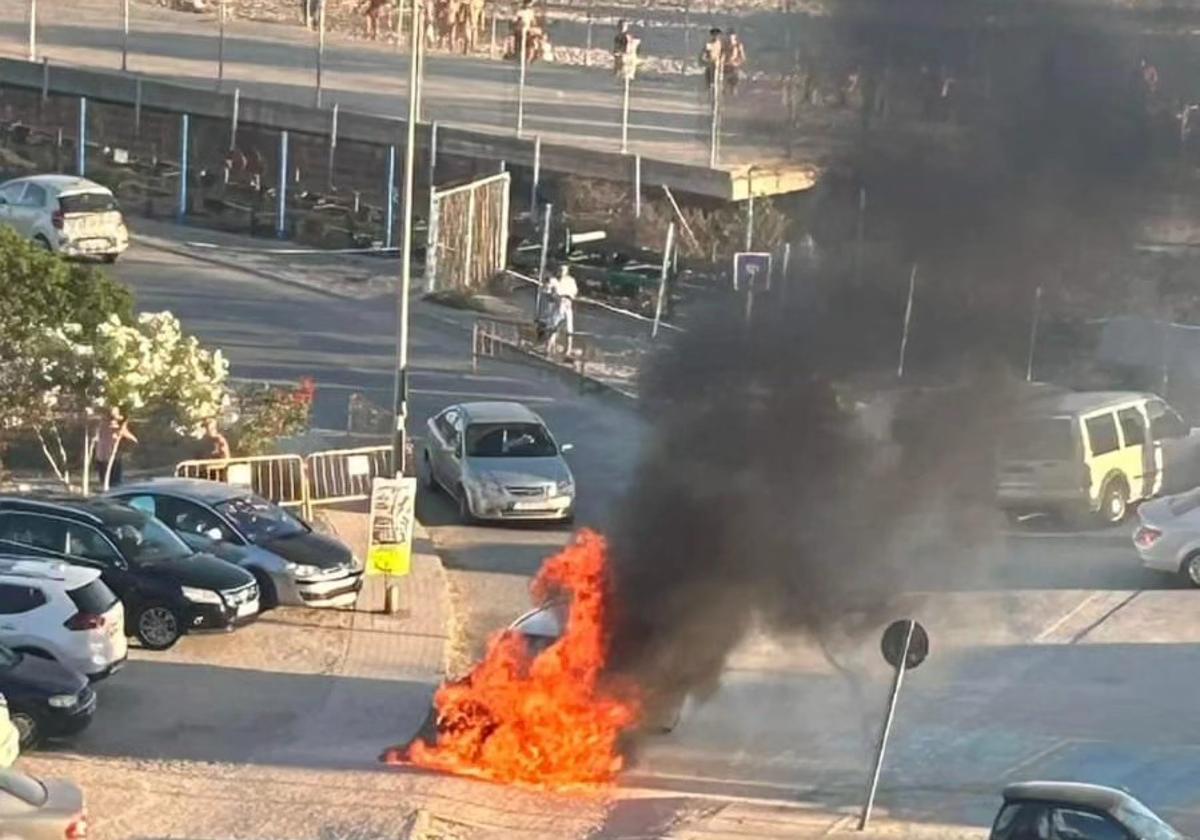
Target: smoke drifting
column 760, row 498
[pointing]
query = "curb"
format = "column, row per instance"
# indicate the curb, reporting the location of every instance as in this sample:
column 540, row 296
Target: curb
column 585, row 382
column 182, row 251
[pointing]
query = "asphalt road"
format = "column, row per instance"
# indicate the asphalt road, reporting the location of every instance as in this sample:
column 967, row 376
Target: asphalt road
column 1042, row 668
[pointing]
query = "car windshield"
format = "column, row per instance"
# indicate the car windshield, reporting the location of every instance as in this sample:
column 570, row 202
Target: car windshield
column 260, row 520
column 144, row 540
column 1041, row 439
column 93, row 202
column 1145, row 823
column 509, row 440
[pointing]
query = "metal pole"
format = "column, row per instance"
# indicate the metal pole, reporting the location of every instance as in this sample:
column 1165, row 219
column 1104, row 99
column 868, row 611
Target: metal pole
column 625, row 117
column 137, row 106
column 541, row 261
column 537, row 174
column 1033, row 330
column 714, row 128
column 750, row 222
column 45, row 79
column 492, row 46
column 433, row 154
column 81, row 152
column 124, row 36
column 912, row 285
column 183, row 167
column 33, row 30
column 320, row 50
column 281, row 198
column 470, row 244
column 637, row 186
column 785, row 281
column 865, row 818
column 521, row 84
column 233, row 120
column 333, row 141
column 390, row 211
column 401, row 389
column 587, row 52
column 220, row 43
column 431, row 242
column 662, row 279
column 859, row 230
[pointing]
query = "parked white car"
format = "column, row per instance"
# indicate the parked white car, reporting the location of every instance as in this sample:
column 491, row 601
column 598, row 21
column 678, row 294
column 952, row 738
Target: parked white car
column 10, row 738
column 71, row 216
column 62, row 612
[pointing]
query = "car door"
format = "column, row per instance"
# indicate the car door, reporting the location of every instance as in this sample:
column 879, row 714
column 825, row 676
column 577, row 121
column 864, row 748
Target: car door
column 89, row 546
column 198, row 526
column 10, row 197
column 1176, row 452
column 445, row 445
column 1135, row 439
column 30, row 212
column 18, row 601
column 1104, row 454
column 43, row 535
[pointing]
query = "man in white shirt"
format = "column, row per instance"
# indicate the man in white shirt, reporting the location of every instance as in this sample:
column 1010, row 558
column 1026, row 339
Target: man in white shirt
column 563, row 290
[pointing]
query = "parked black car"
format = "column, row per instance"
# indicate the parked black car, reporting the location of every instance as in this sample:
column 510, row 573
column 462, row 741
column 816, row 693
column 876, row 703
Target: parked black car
column 166, row 587
column 45, row 700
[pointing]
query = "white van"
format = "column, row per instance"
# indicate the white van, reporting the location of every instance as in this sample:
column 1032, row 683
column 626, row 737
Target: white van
column 1094, row 452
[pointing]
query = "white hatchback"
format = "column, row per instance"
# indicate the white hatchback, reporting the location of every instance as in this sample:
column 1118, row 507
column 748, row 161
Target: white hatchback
column 66, row 214
column 62, row 612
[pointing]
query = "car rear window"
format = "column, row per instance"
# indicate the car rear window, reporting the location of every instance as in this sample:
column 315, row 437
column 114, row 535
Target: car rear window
column 24, row 788
column 87, row 203
column 1040, row 439
column 94, row 597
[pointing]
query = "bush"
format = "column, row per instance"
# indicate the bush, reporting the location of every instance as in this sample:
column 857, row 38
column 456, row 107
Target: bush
column 266, row 413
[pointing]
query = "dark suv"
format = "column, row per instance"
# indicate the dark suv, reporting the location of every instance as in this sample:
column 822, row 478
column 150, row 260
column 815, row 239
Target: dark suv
column 167, row 588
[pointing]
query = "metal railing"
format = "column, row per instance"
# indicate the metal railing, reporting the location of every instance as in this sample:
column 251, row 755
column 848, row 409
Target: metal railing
column 345, row 475
column 280, row 478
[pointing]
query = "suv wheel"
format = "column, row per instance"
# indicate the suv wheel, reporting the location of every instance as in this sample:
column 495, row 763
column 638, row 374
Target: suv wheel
column 29, row 733
column 267, row 597
column 157, row 626
column 1191, row 569
column 1114, row 502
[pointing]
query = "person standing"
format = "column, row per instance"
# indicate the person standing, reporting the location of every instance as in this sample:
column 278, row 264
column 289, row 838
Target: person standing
column 216, row 445
column 734, row 54
column 563, row 290
column 711, row 58
column 113, row 432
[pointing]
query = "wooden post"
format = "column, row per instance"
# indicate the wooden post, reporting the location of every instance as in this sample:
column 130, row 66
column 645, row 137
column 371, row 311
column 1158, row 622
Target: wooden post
column 181, row 214
column 281, row 197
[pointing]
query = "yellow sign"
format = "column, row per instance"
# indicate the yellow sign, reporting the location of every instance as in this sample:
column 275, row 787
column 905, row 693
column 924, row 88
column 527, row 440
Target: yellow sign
column 393, row 512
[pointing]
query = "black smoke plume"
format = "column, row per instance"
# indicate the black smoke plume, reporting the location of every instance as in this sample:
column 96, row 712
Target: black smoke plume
column 760, row 498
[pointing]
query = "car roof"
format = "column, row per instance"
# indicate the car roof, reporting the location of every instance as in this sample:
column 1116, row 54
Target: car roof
column 199, row 489
column 72, row 576
column 63, row 184
column 1096, row 797
column 498, row 412
column 95, row 510
column 1082, row 402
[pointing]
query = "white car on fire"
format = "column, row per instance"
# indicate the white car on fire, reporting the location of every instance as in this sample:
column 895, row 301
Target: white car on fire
column 71, row 216
column 498, row 461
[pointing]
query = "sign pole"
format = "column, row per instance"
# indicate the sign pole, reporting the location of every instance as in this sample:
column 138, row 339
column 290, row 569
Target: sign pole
column 912, row 285
column 220, row 43
column 662, row 279
column 320, row 50
column 183, row 167
column 1033, row 331
column 125, row 36
column 521, row 83
column 625, row 117
column 537, row 303
column 865, row 819
column 33, row 30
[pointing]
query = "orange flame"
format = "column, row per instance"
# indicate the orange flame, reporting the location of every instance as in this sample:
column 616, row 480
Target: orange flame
column 548, row 721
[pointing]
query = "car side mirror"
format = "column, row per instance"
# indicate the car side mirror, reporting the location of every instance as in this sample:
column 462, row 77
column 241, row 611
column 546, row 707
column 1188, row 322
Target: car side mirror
column 567, row 447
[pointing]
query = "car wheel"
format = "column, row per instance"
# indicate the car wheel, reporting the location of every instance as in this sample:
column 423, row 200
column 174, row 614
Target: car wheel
column 157, row 626
column 1114, row 502
column 465, row 515
column 268, row 598
column 42, row 242
column 110, row 258
column 1190, row 569
column 29, row 732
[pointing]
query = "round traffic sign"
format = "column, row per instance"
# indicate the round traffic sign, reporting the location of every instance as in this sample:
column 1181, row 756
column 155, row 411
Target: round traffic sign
column 893, row 643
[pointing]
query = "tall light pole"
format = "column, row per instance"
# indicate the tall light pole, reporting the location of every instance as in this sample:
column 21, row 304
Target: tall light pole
column 33, row 30
column 124, row 35
column 320, row 48
column 521, row 81
column 221, row 43
column 401, row 392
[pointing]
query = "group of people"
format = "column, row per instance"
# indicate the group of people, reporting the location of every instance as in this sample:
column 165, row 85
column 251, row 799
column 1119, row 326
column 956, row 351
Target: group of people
column 113, row 436
column 723, row 58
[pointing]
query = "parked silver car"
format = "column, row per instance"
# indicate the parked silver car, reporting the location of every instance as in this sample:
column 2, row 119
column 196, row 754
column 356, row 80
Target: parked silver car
column 293, row 564
column 499, row 461
column 1168, row 535
column 67, row 214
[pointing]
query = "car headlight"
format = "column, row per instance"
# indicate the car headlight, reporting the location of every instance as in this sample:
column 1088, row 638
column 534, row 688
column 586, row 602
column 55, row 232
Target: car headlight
column 201, row 596
column 566, row 488
column 302, row 570
column 63, row 701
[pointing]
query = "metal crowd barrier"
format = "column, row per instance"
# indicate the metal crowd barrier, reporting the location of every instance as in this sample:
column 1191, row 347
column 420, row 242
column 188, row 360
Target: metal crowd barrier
column 345, row 475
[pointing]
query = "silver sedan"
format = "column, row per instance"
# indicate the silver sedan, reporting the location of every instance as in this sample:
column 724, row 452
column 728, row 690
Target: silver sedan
column 499, row 461
column 1167, row 537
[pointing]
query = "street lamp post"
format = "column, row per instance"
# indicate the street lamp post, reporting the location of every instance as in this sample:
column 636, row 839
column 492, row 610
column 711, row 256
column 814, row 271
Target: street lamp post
column 221, row 43
column 521, row 83
column 124, row 36
column 320, row 49
column 33, row 30
column 401, row 390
